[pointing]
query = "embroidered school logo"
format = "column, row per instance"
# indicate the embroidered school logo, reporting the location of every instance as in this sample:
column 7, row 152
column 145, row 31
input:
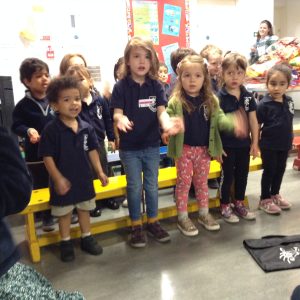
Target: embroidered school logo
column 99, row 112
column 150, row 103
column 291, row 107
column 247, row 103
column 85, row 142
column 289, row 255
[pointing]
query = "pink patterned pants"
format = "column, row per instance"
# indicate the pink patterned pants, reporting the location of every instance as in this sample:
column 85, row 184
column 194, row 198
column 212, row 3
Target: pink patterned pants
column 192, row 166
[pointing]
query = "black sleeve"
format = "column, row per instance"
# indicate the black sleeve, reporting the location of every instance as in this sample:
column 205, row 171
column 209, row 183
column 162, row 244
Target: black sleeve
column 15, row 181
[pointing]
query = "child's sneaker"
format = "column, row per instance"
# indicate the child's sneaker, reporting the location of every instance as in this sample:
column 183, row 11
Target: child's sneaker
column 228, row 215
column 137, row 237
column 67, row 251
column 209, row 222
column 282, row 203
column 48, row 223
column 157, row 232
column 242, row 211
column 268, row 206
column 187, row 227
column 90, row 245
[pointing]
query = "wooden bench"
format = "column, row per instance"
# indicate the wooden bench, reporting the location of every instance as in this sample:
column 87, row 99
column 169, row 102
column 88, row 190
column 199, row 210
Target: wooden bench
column 117, row 187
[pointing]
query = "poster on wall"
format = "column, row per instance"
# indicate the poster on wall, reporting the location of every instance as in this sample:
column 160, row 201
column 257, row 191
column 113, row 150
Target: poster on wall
column 165, row 22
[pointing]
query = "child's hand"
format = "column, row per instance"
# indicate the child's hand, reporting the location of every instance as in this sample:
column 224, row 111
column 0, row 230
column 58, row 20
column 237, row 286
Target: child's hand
column 254, row 151
column 220, row 157
column 62, row 186
column 124, row 124
column 165, row 138
column 33, row 135
column 112, row 146
column 240, row 122
column 103, row 178
column 174, row 126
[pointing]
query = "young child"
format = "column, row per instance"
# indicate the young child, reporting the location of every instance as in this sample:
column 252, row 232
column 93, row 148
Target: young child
column 163, row 77
column 30, row 116
column 213, row 55
column 18, row 281
column 95, row 111
column 275, row 113
column 139, row 103
column 193, row 100
column 69, row 146
column 265, row 38
column 234, row 97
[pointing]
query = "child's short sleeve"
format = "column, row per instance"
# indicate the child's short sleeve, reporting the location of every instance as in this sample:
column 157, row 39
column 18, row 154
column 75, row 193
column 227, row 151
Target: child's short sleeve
column 47, row 144
column 92, row 139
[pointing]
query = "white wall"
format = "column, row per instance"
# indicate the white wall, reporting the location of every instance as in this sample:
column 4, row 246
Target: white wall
column 229, row 24
column 102, row 30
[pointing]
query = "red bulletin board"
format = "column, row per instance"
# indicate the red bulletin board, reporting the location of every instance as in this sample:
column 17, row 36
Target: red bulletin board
column 166, row 22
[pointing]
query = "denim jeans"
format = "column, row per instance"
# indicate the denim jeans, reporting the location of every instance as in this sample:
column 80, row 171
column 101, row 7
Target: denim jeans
column 135, row 162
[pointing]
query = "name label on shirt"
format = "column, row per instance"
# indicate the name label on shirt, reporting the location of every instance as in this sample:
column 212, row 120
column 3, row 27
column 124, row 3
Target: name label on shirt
column 148, row 103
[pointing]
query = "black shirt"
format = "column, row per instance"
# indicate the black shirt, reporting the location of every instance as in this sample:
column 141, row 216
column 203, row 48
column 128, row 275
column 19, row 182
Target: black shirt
column 139, row 103
column 229, row 103
column 70, row 153
column 277, row 123
column 196, row 123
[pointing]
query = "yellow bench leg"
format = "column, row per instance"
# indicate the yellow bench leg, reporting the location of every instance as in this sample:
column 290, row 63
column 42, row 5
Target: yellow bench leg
column 33, row 244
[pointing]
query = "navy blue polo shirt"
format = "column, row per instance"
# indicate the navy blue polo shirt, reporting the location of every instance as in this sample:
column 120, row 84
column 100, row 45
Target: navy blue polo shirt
column 277, row 123
column 139, row 103
column 98, row 115
column 196, row 123
column 229, row 103
column 70, row 153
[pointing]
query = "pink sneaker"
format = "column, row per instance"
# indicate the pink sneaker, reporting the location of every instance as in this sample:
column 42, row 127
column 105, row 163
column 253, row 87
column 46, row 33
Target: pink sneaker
column 268, row 206
column 282, row 203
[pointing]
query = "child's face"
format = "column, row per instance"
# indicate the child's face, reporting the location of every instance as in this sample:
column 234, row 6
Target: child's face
column 38, row 83
column 139, row 63
column 163, row 74
column 233, row 77
column 69, row 104
column 192, row 79
column 277, row 85
column 214, row 64
column 263, row 30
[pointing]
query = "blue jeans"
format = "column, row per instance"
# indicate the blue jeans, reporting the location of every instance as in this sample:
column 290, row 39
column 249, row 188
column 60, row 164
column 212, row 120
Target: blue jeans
column 135, row 162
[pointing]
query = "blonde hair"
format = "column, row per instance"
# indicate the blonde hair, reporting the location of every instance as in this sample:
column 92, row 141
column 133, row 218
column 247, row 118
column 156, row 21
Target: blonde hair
column 147, row 45
column 205, row 91
column 210, row 50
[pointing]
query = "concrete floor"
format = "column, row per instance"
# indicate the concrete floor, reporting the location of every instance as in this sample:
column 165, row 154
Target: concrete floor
column 212, row 265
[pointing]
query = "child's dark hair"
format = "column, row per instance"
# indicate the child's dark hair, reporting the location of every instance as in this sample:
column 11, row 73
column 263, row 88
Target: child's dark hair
column 117, row 68
column 162, row 64
column 31, row 65
column 235, row 59
column 178, row 55
column 59, row 84
column 283, row 68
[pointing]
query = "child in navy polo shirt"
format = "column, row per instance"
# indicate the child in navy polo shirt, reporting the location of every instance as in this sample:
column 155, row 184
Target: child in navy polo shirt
column 69, row 146
column 95, row 111
column 275, row 113
column 234, row 97
column 30, row 116
column 139, row 103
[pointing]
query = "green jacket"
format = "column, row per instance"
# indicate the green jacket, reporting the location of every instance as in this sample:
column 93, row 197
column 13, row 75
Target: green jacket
column 218, row 122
